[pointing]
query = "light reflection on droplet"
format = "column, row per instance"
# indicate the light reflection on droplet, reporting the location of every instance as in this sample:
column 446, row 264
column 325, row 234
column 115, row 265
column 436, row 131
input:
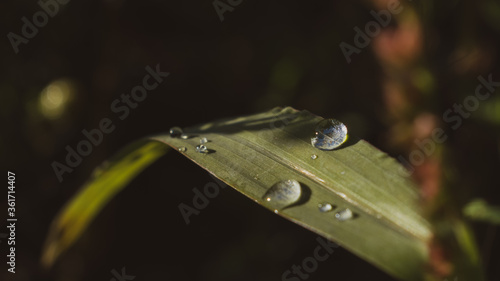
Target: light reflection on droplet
column 325, row 207
column 329, row 134
column 283, row 193
column 175, row 132
column 344, row 214
column 201, row 149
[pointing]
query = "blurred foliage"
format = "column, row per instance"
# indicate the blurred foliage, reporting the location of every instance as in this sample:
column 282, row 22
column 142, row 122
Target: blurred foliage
column 479, row 210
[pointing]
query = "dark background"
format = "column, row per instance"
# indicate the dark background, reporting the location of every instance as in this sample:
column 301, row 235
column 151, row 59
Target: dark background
column 264, row 54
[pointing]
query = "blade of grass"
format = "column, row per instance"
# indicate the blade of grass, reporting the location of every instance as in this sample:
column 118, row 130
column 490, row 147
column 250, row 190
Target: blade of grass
column 106, row 181
column 254, row 152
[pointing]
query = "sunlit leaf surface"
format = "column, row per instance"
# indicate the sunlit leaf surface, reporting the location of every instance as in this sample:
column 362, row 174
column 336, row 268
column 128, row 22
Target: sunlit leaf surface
column 106, row 181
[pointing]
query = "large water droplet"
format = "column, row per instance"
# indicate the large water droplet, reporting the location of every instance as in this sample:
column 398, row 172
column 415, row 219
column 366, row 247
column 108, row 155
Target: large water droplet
column 175, row 132
column 203, row 140
column 329, row 134
column 283, row 193
column 201, row 149
column 344, row 214
column 325, row 207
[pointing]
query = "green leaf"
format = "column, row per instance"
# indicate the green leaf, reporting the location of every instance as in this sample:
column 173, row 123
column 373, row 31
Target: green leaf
column 479, row 210
column 254, row 152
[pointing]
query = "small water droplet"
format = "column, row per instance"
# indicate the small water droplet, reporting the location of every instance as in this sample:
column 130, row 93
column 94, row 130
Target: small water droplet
column 283, row 193
column 182, row 149
column 201, row 149
column 329, row 134
column 314, row 156
column 344, row 214
column 184, row 136
column 175, row 132
column 203, row 140
column 343, row 172
column 325, row 207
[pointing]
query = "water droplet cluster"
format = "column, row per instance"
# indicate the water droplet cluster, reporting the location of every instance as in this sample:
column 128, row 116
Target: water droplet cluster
column 328, row 135
column 341, row 215
column 176, row 132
